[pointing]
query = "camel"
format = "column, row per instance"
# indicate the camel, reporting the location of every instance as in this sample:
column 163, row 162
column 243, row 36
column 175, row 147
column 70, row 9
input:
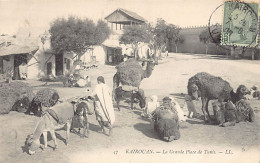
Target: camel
column 210, row 87
column 166, row 122
column 59, row 116
column 132, row 73
column 228, row 114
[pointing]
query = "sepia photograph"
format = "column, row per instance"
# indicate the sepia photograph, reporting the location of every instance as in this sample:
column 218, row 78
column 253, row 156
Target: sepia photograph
column 129, row 81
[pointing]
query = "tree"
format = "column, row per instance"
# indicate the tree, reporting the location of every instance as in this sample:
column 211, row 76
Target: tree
column 177, row 41
column 164, row 34
column 76, row 35
column 134, row 35
column 214, row 36
column 159, row 36
column 174, row 36
column 205, row 38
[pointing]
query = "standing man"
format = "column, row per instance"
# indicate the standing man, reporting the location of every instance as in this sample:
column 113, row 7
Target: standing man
column 103, row 105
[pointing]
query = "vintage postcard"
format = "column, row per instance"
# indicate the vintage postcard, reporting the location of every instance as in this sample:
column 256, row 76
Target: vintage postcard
column 129, row 81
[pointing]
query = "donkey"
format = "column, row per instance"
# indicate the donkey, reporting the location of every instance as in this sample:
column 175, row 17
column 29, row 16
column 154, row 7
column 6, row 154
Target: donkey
column 121, row 92
column 59, row 116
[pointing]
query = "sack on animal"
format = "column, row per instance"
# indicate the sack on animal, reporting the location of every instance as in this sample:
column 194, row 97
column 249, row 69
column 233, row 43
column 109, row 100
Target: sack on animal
column 44, row 98
column 228, row 114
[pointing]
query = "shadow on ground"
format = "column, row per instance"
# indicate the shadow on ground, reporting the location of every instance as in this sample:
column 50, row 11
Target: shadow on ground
column 146, row 130
column 178, row 95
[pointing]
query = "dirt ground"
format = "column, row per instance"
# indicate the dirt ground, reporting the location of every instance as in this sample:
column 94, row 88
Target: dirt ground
column 199, row 142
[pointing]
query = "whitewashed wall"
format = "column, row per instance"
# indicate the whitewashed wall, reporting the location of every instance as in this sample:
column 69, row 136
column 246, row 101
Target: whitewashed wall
column 98, row 51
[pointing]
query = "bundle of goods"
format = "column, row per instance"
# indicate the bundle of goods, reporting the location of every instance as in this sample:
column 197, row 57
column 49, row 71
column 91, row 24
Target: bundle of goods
column 130, row 72
column 44, row 98
column 15, row 93
column 47, row 97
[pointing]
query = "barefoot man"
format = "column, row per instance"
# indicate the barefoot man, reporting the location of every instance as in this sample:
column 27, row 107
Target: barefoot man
column 103, row 107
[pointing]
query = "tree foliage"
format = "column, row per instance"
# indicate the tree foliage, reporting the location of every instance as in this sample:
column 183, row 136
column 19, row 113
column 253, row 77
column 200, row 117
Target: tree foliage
column 174, row 36
column 213, row 36
column 165, row 34
column 160, row 34
column 210, row 36
column 76, row 35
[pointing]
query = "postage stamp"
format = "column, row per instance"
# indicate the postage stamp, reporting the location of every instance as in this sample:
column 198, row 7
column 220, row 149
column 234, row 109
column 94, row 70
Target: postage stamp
column 240, row 24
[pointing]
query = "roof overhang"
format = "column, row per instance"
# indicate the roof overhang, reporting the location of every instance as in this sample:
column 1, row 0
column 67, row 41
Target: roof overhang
column 17, row 49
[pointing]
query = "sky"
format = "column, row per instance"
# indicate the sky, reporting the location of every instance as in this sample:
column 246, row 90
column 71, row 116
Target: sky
column 40, row 13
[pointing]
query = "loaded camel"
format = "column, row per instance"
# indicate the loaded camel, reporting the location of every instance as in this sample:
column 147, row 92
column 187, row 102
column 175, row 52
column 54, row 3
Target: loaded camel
column 129, row 75
column 165, row 121
column 132, row 73
column 59, row 116
column 210, row 87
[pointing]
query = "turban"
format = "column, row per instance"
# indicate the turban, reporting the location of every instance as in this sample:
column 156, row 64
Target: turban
column 101, row 79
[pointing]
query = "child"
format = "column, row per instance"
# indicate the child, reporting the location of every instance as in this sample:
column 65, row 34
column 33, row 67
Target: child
column 191, row 107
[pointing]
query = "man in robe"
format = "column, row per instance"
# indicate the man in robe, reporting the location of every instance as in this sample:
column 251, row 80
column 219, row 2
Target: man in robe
column 103, row 105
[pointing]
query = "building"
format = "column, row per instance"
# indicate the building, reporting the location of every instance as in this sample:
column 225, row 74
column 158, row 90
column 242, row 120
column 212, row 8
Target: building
column 34, row 54
column 118, row 20
column 192, row 44
column 121, row 18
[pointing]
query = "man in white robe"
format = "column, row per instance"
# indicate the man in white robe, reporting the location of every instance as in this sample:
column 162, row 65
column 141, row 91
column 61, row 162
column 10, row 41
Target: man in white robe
column 103, row 105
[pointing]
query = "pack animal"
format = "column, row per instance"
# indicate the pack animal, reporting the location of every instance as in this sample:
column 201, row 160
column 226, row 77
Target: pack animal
column 133, row 73
column 209, row 87
column 120, row 94
column 57, row 117
column 166, row 122
column 228, row 114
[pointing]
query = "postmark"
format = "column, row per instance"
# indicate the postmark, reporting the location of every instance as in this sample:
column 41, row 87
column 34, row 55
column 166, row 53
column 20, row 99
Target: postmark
column 240, row 24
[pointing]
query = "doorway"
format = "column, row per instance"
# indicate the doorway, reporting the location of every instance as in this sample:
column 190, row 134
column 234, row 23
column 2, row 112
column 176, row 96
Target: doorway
column 59, row 64
column 49, row 68
column 18, row 60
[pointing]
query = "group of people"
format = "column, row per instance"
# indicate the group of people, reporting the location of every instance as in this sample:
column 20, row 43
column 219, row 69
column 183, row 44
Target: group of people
column 102, row 94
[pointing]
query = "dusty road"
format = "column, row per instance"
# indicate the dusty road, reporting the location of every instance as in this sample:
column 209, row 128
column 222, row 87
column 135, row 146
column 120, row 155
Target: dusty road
column 199, row 142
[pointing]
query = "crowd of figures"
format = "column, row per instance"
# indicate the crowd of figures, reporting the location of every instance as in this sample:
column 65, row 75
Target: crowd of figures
column 229, row 107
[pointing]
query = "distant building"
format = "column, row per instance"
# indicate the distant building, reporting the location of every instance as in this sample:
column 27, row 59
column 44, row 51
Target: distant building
column 118, row 20
column 121, row 18
column 192, row 44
